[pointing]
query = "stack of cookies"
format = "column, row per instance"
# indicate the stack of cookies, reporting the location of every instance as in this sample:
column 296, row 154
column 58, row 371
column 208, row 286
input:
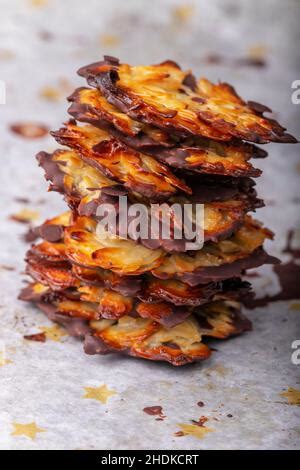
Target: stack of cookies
column 156, row 139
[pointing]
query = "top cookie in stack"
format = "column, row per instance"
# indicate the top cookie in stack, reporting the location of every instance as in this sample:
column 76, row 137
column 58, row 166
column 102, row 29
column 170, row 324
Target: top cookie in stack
column 152, row 135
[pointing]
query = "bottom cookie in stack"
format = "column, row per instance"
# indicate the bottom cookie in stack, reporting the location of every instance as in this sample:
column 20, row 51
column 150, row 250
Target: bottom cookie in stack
column 132, row 316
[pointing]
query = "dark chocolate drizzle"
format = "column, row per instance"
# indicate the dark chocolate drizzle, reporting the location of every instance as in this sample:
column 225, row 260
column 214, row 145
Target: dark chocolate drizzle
column 288, row 275
column 224, row 271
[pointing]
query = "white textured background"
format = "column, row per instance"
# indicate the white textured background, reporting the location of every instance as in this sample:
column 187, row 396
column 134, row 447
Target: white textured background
column 42, row 44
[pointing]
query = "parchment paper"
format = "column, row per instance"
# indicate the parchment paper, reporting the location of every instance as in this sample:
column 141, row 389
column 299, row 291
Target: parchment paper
column 43, row 385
